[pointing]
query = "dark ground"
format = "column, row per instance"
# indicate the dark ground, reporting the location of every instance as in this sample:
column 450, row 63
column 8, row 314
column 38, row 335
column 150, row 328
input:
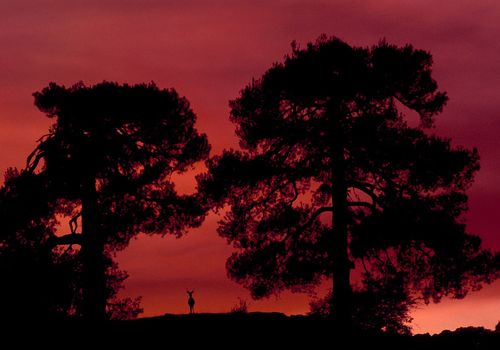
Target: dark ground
column 234, row 331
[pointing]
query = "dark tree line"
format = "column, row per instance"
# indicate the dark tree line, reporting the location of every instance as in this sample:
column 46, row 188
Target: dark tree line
column 330, row 177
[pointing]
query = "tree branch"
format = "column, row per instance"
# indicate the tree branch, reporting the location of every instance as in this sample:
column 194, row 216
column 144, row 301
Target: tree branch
column 73, row 223
column 362, row 204
column 295, row 193
column 71, row 238
column 363, row 185
column 315, row 214
column 366, row 189
column 33, row 159
column 273, row 191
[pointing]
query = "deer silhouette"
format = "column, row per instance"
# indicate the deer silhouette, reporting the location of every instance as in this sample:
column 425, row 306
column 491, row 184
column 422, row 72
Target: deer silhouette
column 191, row 301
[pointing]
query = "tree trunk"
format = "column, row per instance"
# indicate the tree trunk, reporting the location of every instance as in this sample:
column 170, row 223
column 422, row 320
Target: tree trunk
column 342, row 292
column 92, row 250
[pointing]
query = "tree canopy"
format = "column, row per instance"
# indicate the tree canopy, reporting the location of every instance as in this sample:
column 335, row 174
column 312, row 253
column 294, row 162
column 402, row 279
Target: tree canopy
column 130, row 139
column 40, row 281
column 332, row 174
column 106, row 164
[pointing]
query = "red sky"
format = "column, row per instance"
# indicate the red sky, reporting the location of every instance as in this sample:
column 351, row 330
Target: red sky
column 208, row 50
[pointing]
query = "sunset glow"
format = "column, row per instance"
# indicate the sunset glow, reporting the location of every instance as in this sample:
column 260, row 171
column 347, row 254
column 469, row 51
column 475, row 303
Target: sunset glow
column 208, row 51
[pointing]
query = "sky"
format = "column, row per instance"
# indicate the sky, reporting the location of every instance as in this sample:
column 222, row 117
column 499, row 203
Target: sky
column 208, row 51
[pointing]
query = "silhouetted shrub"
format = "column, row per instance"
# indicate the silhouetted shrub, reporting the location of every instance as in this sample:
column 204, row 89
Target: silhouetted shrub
column 241, row 307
